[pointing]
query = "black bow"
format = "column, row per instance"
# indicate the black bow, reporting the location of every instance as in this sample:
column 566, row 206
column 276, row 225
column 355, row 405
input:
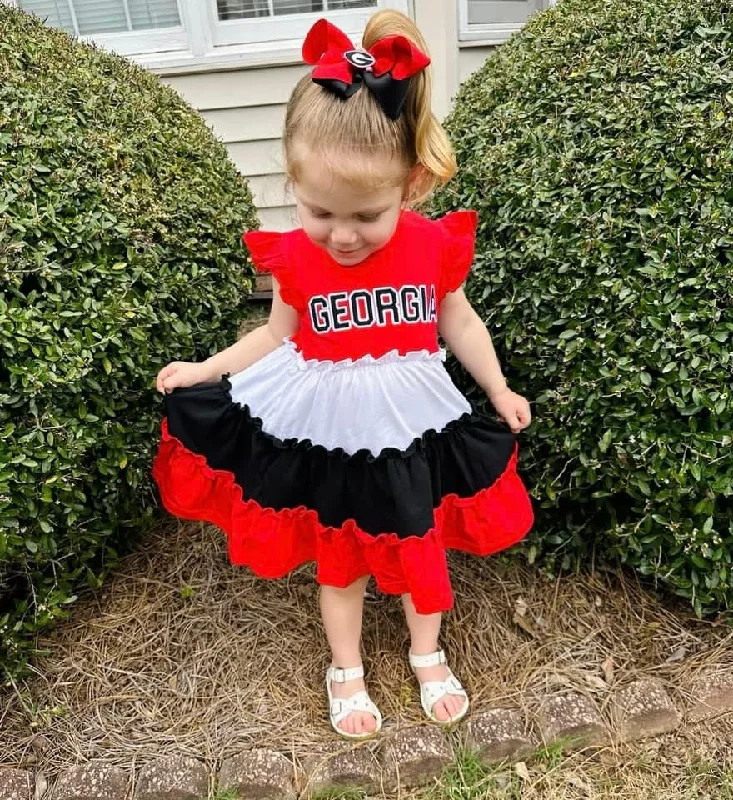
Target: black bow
column 386, row 68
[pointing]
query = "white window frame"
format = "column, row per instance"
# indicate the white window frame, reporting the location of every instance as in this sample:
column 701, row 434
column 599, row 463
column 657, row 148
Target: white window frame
column 474, row 34
column 204, row 42
column 284, row 27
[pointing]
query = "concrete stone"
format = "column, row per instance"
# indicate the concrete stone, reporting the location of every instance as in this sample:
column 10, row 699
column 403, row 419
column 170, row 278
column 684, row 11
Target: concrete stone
column 258, row 775
column 571, row 718
column 173, row 778
column 355, row 767
column 497, row 734
column 643, row 709
column 710, row 695
column 91, row 782
column 16, row 784
column 414, row 757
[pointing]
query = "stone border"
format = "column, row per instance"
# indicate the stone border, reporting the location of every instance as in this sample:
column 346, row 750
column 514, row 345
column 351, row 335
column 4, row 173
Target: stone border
column 413, row 756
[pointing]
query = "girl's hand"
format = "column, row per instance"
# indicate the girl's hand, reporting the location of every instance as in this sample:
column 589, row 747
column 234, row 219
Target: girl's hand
column 178, row 374
column 513, row 409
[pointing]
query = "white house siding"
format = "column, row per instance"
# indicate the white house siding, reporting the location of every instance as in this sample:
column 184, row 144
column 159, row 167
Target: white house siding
column 246, row 109
column 471, row 58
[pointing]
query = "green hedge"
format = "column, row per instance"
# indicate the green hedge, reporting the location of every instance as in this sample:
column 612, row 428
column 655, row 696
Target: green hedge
column 120, row 218
column 597, row 146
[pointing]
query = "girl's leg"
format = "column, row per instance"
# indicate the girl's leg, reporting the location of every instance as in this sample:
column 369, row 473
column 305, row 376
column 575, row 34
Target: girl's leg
column 341, row 610
column 424, row 634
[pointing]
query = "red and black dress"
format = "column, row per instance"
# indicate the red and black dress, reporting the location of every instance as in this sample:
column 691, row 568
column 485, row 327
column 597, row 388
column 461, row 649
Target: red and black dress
column 349, row 445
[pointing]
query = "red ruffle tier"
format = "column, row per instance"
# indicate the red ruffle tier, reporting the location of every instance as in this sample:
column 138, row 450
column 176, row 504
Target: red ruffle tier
column 273, row 543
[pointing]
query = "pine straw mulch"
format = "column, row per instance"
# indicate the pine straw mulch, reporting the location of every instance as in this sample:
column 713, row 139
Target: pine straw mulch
column 181, row 653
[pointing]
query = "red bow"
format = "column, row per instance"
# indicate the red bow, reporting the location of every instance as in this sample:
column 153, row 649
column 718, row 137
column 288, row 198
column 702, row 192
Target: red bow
column 335, row 57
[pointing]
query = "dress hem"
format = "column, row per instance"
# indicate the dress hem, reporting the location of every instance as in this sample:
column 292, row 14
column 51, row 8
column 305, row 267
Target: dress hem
column 272, row 542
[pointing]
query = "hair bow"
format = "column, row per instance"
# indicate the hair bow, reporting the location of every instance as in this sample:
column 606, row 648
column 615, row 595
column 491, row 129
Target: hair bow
column 386, row 67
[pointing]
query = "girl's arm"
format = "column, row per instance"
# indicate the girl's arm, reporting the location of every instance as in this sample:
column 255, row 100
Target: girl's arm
column 283, row 322
column 466, row 335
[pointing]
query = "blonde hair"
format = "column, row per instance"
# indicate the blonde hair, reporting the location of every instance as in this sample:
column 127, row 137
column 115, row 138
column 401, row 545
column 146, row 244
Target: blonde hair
column 359, row 142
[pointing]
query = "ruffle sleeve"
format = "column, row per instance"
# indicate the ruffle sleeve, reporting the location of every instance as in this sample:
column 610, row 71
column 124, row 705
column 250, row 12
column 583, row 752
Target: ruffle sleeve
column 269, row 255
column 459, row 238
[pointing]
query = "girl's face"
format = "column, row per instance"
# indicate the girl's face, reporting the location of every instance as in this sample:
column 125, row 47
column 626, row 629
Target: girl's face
column 349, row 224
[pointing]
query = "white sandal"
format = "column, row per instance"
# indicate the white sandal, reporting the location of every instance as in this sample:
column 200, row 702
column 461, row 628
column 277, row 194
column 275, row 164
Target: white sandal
column 340, row 708
column 432, row 691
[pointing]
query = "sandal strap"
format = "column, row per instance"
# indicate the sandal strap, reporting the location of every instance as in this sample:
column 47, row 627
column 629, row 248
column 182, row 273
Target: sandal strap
column 432, row 691
column 339, row 675
column 342, row 707
column 430, row 660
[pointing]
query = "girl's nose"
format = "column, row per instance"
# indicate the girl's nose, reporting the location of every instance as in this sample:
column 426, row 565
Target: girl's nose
column 343, row 236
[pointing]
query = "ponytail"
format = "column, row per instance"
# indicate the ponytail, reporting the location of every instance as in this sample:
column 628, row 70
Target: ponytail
column 434, row 157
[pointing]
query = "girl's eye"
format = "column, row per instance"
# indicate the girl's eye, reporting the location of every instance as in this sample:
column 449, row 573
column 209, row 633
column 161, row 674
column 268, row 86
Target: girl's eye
column 321, row 214
column 368, row 217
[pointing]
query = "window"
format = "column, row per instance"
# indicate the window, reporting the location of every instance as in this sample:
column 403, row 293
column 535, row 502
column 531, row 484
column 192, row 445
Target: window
column 85, row 17
column 126, row 26
column 494, row 21
column 243, row 9
column 179, row 34
column 249, row 21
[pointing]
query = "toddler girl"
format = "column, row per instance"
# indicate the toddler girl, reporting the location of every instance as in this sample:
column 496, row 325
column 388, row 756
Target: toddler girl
column 333, row 433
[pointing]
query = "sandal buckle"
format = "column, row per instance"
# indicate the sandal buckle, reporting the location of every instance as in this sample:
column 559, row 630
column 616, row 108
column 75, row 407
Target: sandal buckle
column 341, row 674
column 429, row 660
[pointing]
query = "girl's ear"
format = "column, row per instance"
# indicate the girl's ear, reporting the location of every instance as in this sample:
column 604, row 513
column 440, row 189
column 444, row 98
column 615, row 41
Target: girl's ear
column 415, row 178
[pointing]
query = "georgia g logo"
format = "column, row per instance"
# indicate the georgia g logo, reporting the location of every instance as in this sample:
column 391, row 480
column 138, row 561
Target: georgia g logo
column 360, row 59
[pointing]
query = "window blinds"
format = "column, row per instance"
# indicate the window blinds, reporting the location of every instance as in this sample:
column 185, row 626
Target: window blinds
column 88, row 17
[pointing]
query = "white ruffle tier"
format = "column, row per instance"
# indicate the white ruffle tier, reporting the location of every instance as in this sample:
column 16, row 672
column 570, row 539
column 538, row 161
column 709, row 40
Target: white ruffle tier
column 363, row 404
